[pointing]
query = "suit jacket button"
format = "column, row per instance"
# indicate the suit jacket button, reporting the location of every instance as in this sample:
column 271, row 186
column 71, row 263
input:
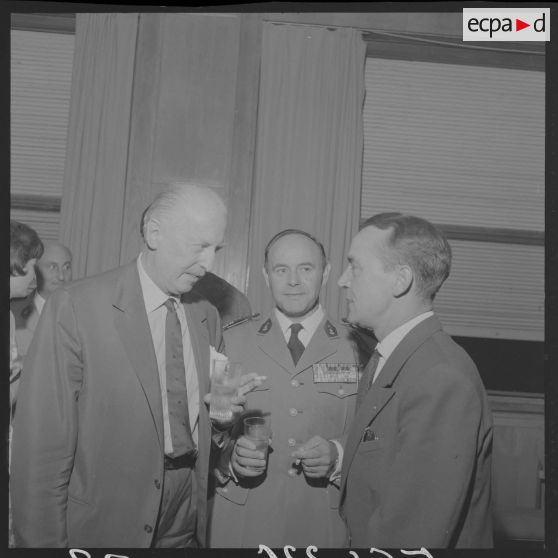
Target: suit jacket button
column 293, row 412
column 291, row 442
column 157, row 483
column 295, row 383
column 148, row 528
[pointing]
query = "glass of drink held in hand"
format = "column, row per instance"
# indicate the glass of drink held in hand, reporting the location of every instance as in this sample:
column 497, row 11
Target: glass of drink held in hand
column 225, row 380
column 258, row 431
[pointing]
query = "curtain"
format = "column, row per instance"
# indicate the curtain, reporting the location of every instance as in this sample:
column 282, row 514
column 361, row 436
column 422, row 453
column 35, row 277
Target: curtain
column 98, row 136
column 309, row 146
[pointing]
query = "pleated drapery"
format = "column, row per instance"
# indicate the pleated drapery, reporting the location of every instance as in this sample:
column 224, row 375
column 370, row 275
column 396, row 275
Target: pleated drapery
column 309, row 146
column 98, row 136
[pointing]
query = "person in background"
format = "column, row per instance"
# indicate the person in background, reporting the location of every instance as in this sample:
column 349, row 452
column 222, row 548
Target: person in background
column 417, row 459
column 25, row 248
column 312, row 367
column 53, row 270
column 112, row 434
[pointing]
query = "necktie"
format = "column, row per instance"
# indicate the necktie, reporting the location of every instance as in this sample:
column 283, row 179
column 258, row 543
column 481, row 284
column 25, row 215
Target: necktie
column 367, row 377
column 295, row 344
column 177, row 396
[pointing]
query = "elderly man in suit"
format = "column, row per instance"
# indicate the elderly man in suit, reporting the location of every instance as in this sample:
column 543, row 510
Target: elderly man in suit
column 417, row 458
column 54, row 269
column 112, row 437
column 311, row 367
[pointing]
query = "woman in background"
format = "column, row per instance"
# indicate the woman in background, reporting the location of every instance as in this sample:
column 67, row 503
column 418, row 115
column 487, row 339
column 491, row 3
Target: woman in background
column 25, row 249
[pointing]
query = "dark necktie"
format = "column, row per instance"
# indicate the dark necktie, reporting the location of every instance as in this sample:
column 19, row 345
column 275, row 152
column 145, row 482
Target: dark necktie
column 295, row 344
column 367, row 377
column 177, row 397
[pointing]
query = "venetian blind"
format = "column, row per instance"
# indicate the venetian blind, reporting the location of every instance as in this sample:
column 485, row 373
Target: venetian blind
column 464, row 145
column 41, row 73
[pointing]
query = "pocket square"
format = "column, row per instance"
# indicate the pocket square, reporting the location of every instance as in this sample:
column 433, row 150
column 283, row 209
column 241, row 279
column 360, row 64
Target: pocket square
column 369, row 435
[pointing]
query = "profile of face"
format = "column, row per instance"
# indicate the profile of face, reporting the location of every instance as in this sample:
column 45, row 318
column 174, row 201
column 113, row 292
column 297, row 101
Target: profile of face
column 295, row 274
column 54, row 268
column 22, row 285
column 182, row 245
column 370, row 288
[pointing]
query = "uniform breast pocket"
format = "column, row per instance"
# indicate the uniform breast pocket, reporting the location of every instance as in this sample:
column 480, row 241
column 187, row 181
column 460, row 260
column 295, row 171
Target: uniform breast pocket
column 338, row 391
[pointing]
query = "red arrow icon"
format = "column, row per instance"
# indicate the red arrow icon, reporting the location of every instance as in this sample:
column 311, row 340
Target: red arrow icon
column 519, row 25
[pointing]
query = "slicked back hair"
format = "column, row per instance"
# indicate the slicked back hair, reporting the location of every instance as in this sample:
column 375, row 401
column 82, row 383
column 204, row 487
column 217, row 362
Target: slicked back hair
column 415, row 242
column 300, row 232
column 25, row 245
column 166, row 202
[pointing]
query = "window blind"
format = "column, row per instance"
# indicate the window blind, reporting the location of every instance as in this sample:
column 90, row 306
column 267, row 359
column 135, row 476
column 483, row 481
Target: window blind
column 464, row 145
column 41, row 73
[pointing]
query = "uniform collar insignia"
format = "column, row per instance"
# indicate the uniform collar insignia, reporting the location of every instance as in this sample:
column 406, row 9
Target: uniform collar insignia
column 330, row 330
column 266, row 326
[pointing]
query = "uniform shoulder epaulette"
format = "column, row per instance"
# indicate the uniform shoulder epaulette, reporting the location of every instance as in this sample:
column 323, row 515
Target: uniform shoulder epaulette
column 239, row 321
column 265, row 327
column 330, row 329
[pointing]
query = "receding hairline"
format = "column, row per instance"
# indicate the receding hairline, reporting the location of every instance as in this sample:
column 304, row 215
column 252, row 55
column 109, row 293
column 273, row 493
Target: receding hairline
column 284, row 234
column 54, row 244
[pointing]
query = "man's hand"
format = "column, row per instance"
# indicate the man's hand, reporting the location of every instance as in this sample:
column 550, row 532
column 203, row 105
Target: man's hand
column 246, row 461
column 247, row 383
column 317, row 457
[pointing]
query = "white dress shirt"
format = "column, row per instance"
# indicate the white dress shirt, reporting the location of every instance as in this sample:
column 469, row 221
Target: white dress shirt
column 39, row 302
column 390, row 341
column 309, row 324
column 154, row 299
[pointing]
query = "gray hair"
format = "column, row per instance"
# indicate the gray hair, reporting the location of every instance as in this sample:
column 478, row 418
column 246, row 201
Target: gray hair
column 177, row 196
column 415, row 242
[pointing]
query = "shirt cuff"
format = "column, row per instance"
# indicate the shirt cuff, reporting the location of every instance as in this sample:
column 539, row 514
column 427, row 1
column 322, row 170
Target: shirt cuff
column 335, row 476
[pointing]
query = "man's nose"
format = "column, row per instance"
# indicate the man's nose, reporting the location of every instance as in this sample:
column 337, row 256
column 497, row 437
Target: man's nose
column 294, row 279
column 207, row 258
column 344, row 279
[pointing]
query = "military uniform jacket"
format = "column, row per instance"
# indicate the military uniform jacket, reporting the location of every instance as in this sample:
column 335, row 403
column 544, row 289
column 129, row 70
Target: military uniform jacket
column 283, row 507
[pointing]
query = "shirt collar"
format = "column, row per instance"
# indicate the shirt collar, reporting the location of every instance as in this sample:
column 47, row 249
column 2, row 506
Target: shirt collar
column 153, row 296
column 390, row 342
column 310, row 323
column 39, row 302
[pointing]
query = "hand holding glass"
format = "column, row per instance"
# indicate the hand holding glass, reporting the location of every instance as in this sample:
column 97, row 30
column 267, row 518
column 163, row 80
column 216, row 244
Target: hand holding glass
column 258, row 431
column 225, row 380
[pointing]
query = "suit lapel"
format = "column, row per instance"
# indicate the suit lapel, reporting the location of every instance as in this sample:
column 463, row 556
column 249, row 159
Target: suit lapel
column 382, row 390
column 132, row 326
column 271, row 341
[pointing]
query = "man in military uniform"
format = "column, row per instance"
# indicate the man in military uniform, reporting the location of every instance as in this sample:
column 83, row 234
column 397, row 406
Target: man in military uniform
column 311, row 365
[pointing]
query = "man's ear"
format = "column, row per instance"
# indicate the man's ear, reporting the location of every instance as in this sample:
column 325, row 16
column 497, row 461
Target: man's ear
column 152, row 233
column 403, row 281
column 325, row 274
column 266, row 276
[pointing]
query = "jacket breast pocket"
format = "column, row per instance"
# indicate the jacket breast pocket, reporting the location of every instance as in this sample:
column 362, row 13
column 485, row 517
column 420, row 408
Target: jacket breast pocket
column 338, row 391
column 367, row 446
column 233, row 493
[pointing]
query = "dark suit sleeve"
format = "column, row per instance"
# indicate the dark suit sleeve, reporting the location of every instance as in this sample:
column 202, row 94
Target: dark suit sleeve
column 45, row 428
column 434, row 466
